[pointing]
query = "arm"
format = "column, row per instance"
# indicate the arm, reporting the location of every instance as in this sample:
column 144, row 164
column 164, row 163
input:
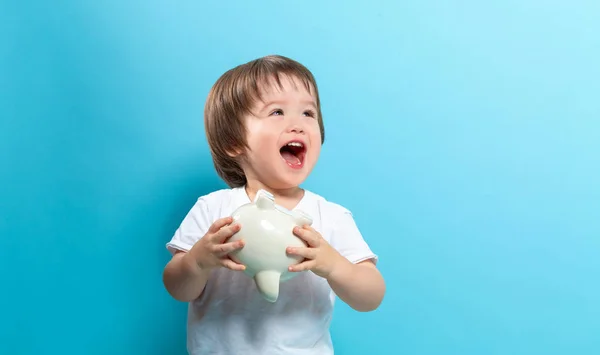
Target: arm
column 360, row 285
column 183, row 278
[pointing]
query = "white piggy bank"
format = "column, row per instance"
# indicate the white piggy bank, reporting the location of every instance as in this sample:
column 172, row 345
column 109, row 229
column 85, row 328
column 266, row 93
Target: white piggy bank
column 267, row 230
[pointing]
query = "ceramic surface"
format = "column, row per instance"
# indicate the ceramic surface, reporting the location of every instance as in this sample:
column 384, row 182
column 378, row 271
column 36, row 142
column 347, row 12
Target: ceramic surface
column 267, row 230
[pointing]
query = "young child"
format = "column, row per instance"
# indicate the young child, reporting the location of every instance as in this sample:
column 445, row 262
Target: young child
column 264, row 128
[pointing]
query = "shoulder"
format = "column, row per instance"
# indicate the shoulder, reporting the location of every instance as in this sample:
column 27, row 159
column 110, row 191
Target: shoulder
column 210, row 205
column 221, row 203
column 217, row 197
column 328, row 209
column 338, row 227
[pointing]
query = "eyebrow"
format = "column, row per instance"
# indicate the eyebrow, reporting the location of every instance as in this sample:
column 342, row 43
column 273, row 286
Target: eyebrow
column 277, row 102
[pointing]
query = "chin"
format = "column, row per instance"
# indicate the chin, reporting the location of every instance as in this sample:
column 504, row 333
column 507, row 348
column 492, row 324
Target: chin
column 284, row 184
column 285, row 180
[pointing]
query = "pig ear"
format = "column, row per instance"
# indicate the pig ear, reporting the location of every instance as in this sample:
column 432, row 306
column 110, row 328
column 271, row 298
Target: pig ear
column 264, row 200
column 301, row 218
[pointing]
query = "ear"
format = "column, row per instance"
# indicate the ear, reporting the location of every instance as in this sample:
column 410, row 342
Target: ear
column 236, row 153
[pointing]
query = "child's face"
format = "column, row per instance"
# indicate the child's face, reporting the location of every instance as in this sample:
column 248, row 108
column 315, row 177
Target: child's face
column 283, row 135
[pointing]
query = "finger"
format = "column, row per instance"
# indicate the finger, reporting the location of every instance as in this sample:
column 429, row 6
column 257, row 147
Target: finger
column 220, row 223
column 312, row 238
column 226, row 248
column 225, row 232
column 303, row 266
column 309, row 228
column 232, row 265
column 307, row 253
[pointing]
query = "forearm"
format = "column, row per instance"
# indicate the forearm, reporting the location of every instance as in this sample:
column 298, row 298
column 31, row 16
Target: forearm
column 361, row 286
column 183, row 278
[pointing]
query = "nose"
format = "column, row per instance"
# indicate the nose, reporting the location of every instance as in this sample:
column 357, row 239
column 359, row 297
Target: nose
column 296, row 129
column 295, row 125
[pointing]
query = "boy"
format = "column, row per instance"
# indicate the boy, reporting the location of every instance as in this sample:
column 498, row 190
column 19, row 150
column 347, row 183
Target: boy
column 264, row 128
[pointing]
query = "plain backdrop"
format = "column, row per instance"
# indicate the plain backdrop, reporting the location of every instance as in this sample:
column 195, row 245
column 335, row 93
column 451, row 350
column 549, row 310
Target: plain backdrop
column 463, row 135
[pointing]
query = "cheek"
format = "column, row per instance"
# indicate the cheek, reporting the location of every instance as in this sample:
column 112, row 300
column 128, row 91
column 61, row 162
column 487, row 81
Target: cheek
column 258, row 135
column 315, row 132
column 263, row 146
column 316, row 148
column 315, row 139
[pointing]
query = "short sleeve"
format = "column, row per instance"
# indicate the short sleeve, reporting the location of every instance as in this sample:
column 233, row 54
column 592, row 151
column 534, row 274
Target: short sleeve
column 348, row 240
column 193, row 227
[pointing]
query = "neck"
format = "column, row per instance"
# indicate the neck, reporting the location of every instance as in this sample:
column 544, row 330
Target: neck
column 287, row 197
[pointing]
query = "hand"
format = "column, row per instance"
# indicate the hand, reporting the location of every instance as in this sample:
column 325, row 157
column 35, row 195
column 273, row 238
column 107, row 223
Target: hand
column 320, row 257
column 211, row 251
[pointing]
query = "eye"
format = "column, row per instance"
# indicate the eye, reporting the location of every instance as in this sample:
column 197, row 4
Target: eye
column 276, row 112
column 309, row 113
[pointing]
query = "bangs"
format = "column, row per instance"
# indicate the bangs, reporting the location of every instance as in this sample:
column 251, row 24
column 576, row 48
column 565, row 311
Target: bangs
column 261, row 75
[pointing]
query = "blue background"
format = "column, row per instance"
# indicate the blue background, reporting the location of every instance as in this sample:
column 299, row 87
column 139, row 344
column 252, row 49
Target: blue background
column 465, row 137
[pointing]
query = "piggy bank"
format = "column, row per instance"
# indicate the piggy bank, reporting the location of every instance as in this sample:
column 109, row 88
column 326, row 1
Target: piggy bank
column 267, row 230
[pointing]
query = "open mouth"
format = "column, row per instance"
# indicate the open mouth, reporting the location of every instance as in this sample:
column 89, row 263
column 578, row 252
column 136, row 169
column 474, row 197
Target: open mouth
column 293, row 153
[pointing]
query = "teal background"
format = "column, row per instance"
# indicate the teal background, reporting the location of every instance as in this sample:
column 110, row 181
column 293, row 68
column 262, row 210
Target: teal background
column 464, row 136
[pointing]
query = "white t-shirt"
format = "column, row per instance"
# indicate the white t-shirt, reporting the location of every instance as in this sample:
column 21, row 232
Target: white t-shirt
column 230, row 317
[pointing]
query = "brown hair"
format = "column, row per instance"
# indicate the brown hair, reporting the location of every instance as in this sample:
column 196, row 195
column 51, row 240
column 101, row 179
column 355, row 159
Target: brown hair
column 233, row 96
